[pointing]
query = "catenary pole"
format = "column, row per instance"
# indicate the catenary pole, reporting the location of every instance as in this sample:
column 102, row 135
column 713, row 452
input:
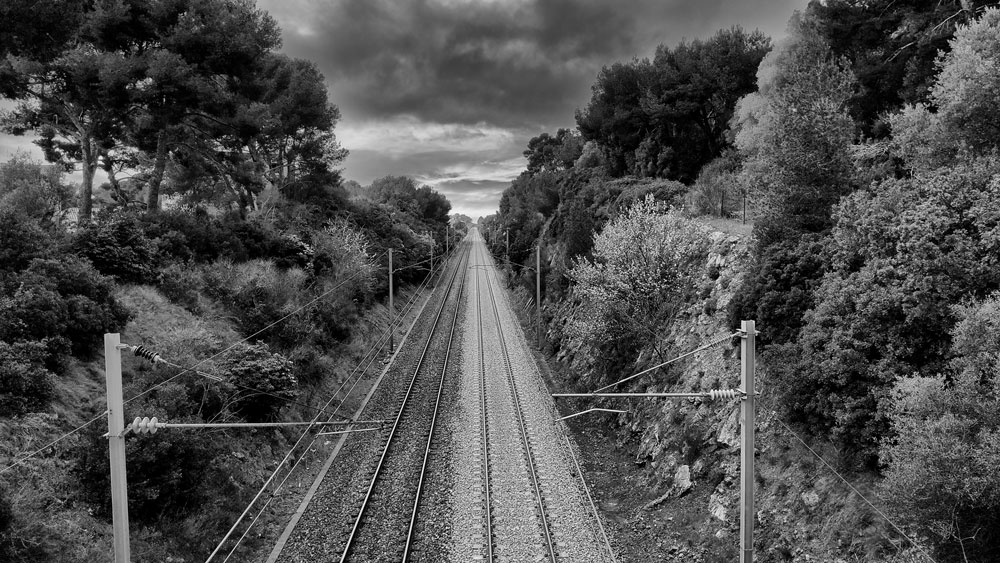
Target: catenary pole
column 116, row 446
column 748, row 350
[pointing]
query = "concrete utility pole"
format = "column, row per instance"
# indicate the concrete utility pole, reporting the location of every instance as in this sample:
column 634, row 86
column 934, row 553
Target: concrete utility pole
column 748, row 396
column 392, row 310
column 116, row 446
column 507, row 239
column 748, row 351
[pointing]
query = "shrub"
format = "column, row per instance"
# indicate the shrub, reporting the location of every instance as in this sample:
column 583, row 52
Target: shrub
column 645, row 266
column 941, row 476
column 778, row 288
column 117, row 246
column 182, row 285
column 170, row 474
column 21, row 241
column 717, row 191
column 29, row 190
column 25, row 385
column 258, row 293
column 264, row 381
column 65, row 301
column 902, row 254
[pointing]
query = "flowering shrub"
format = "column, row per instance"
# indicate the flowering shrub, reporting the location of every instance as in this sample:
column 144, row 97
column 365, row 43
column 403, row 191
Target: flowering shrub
column 645, row 266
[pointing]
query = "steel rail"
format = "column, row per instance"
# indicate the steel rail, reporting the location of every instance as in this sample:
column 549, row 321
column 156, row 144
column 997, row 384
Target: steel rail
column 532, row 470
column 399, row 416
column 485, row 425
column 434, row 416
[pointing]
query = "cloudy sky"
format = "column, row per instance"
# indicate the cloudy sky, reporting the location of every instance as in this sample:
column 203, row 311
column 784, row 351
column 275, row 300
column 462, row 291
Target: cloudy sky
column 449, row 91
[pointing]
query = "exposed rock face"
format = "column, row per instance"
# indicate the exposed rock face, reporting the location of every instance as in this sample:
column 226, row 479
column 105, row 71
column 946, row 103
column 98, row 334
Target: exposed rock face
column 682, row 480
column 685, row 441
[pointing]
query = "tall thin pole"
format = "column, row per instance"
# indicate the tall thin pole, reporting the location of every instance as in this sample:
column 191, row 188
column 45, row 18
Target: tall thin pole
column 116, row 446
column 507, row 239
column 392, row 310
column 538, row 297
column 447, row 238
column 747, row 443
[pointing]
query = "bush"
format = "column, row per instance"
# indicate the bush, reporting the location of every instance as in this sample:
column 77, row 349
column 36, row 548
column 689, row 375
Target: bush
column 64, row 302
column 941, row 476
column 645, row 266
column 717, row 191
column 117, row 246
column 21, row 241
column 778, row 288
column 259, row 294
column 171, row 474
column 902, row 254
column 25, row 385
column 182, row 285
column 268, row 374
column 195, row 236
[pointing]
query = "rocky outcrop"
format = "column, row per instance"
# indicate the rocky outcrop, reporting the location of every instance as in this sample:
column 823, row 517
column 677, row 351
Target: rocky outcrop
column 684, row 442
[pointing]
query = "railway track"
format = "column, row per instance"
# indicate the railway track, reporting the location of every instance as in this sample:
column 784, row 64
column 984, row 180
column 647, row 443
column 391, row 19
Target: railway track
column 532, row 507
column 380, row 532
column 474, row 466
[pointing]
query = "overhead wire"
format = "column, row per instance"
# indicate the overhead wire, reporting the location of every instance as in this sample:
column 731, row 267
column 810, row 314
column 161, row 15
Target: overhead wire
column 377, row 347
column 884, row 516
column 255, row 334
column 19, row 460
column 704, row 347
column 372, row 355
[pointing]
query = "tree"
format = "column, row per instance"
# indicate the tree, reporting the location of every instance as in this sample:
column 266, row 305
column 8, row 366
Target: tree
column 692, row 98
column 194, row 54
column 795, row 134
column 967, row 121
column 75, row 102
column 546, row 152
column 967, row 90
column 892, row 46
column 668, row 117
column 397, row 191
column 614, row 116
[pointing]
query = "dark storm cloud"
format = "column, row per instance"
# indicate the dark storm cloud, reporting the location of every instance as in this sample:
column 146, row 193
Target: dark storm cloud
column 508, row 63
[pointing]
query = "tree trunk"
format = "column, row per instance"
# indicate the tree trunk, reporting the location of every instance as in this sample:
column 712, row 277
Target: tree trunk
column 153, row 194
column 87, row 185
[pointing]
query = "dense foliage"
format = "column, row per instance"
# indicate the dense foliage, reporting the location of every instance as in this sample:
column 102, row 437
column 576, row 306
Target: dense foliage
column 941, row 476
column 867, row 156
column 669, row 116
column 644, row 268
